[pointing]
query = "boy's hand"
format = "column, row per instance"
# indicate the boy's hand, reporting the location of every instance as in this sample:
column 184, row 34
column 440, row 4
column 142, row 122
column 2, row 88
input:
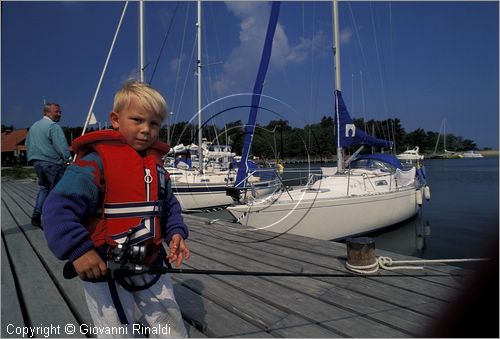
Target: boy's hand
column 90, row 266
column 176, row 249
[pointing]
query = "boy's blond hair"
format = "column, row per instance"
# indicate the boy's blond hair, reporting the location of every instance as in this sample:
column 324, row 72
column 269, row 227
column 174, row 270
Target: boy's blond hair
column 150, row 98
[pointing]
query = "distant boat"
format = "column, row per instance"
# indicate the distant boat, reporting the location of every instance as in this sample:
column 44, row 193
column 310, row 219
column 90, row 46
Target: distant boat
column 446, row 154
column 207, row 190
column 472, row 154
column 411, row 154
column 364, row 192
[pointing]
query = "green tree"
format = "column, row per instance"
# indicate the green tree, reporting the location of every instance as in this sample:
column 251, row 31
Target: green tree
column 416, row 138
column 9, row 128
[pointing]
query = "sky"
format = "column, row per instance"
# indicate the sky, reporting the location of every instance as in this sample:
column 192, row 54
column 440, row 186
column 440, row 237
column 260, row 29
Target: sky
column 419, row 61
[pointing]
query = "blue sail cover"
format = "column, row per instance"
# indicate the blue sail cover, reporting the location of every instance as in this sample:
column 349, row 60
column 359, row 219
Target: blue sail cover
column 257, row 91
column 349, row 134
column 385, row 157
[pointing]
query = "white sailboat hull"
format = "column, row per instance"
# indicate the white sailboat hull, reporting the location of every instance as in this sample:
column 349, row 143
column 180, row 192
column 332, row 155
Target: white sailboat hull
column 205, row 196
column 472, row 154
column 196, row 191
column 325, row 215
column 194, row 197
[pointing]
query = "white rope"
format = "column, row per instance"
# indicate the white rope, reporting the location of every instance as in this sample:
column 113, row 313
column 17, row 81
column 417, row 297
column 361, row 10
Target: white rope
column 387, row 263
column 368, row 269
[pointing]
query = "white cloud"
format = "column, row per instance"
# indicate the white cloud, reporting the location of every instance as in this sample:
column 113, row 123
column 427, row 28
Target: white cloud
column 345, row 35
column 176, row 63
column 240, row 69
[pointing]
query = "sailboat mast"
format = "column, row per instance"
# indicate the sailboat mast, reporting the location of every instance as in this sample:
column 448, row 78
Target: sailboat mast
column 198, row 66
column 141, row 41
column 336, row 66
column 444, row 134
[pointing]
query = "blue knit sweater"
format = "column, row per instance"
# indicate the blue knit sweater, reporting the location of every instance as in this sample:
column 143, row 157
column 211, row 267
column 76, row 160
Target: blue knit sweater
column 46, row 141
column 77, row 197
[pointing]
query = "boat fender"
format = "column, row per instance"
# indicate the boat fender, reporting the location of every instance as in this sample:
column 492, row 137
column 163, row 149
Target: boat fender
column 418, row 196
column 427, row 230
column 420, row 242
column 427, row 193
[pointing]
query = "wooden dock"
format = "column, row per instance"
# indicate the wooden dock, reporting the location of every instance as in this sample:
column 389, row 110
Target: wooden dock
column 402, row 304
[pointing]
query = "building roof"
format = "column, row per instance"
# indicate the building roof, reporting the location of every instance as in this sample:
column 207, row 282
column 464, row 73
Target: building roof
column 14, row 140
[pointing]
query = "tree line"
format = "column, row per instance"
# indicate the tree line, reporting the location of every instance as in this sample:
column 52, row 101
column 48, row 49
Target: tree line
column 278, row 139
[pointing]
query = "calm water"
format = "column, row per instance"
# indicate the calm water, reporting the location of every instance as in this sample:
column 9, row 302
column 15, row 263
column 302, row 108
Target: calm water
column 459, row 221
column 462, row 215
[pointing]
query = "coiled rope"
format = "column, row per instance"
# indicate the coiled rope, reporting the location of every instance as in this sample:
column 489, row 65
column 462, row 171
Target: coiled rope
column 387, row 263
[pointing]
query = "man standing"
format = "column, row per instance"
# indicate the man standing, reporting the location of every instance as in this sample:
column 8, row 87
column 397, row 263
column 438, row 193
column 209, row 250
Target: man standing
column 48, row 149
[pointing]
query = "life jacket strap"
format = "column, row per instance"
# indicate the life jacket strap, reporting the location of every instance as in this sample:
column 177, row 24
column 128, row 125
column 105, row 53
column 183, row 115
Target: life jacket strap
column 133, row 209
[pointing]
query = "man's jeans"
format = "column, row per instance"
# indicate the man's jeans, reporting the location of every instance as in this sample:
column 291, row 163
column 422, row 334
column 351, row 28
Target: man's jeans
column 48, row 175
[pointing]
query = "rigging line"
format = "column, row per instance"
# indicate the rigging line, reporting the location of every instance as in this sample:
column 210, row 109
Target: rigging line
column 363, row 57
column 391, row 72
column 311, row 90
column 188, row 68
column 358, row 38
column 352, row 94
column 362, row 85
column 181, row 53
column 209, row 91
column 391, row 49
column 218, row 49
column 303, row 36
column 379, row 64
column 164, row 42
column 188, row 71
column 104, row 71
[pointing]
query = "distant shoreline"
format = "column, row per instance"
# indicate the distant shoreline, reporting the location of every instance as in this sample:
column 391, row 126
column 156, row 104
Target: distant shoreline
column 485, row 153
column 489, row 153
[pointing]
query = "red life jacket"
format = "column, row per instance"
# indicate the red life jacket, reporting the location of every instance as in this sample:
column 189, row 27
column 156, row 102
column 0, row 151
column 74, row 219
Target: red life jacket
column 135, row 187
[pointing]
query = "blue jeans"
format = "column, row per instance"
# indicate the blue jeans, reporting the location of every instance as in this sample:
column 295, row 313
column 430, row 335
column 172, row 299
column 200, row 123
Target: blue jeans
column 48, row 175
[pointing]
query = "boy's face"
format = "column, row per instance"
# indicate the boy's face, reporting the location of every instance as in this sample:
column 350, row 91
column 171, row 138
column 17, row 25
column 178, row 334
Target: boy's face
column 139, row 127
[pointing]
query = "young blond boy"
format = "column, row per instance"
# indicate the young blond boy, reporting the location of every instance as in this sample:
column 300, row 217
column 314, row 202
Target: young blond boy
column 118, row 192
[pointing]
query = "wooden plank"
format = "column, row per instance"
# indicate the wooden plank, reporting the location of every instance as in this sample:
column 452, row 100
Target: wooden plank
column 331, row 251
column 401, row 295
column 71, row 290
column 11, row 305
column 308, row 245
column 23, row 196
column 295, row 326
column 212, row 319
column 43, row 301
column 407, row 298
column 270, row 291
column 246, row 306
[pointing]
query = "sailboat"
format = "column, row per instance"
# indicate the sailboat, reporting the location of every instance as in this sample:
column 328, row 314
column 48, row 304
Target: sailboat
column 472, row 154
column 205, row 187
column 447, row 154
column 362, row 194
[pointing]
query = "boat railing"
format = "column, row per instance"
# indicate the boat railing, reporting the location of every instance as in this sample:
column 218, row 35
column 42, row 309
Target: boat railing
column 369, row 177
column 313, row 177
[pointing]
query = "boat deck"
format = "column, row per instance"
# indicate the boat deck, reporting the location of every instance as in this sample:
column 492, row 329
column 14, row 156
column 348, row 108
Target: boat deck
column 400, row 304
